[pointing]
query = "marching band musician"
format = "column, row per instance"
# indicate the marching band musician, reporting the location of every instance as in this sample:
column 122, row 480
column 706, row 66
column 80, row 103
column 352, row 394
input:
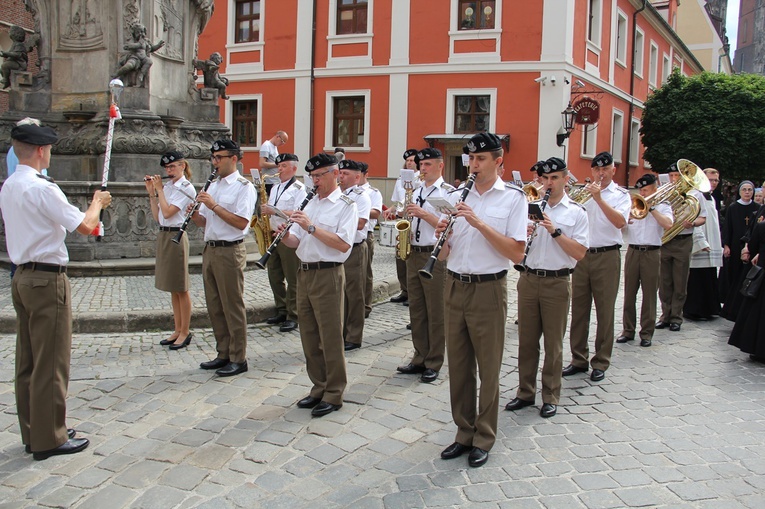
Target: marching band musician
column 398, row 197
column 489, row 230
column 225, row 215
column 597, row 274
column 323, row 234
column 375, row 196
column 544, row 290
column 641, row 264
column 426, row 296
column 356, row 264
column 283, row 263
column 171, row 273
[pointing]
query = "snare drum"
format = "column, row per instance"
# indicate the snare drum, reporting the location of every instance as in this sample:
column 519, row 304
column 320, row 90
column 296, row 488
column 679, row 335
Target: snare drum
column 388, row 233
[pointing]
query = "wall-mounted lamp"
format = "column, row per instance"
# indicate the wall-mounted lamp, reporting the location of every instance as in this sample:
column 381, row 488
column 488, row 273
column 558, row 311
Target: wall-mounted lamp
column 568, row 125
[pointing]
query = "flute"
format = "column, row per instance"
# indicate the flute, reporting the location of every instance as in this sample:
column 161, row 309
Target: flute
column 261, row 264
column 427, row 270
column 522, row 266
column 163, row 177
column 213, row 174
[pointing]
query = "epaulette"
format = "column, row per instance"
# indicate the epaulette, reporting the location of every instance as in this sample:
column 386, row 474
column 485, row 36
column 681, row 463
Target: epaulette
column 358, row 190
column 186, row 183
column 510, row 185
column 581, row 205
column 374, row 189
column 447, row 187
column 45, row 177
column 620, row 188
column 298, row 184
column 346, row 199
column 243, row 181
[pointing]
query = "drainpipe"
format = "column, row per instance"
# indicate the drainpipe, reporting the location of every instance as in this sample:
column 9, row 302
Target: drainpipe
column 632, row 89
column 313, row 78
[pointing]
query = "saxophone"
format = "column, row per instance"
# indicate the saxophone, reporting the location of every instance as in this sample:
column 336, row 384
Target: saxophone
column 260, row 222
column 404, row 226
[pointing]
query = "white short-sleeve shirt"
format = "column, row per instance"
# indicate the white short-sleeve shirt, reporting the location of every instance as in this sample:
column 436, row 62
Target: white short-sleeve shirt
column 337, row 214
column 602, row 232
column 286, row 196
column 235, row 194
column 545, row 253
column 180, row 193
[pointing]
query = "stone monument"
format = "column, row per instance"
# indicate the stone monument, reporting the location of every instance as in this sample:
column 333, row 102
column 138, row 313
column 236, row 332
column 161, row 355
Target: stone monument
column 152, row 46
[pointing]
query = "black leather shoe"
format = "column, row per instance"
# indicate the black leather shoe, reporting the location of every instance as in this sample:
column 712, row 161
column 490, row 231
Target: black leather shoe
column 71, row 446
column 406, row 303
column 517, row 404
column 624, row 339
column 70, row 433
column 324, row 408
column 645, row 342
column 597, row 375
column 548, row 410
column 288, row 325
column 454, row 451
column 410, row 369
column 401, row 297
column 214, row 364
column 674, row 327
column 477, row 457
column 308, row 402
column 661, row 325
column 178, row 346
column 429, row 375
column 275, row 320
column 573, row 370
column 409, row 326
column 351, row 346
column 232, row 368
column 166, row 342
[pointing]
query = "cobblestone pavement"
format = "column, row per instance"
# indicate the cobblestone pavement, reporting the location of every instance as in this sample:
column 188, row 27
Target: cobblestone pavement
column 680, row 424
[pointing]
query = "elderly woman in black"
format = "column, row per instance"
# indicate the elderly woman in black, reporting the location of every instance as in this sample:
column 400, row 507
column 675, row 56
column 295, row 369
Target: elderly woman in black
column 748, row 332
column 738, row 220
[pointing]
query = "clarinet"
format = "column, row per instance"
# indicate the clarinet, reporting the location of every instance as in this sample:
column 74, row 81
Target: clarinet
column 213, row 174
column 261, row 264
column 427, row 270
column 520, row 267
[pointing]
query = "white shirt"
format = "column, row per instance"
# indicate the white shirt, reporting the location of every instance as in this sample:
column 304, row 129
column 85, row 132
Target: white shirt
column 269, row 151
column 337, row 214
column 703, row 210
column 647, row 232
column 286, row 197
column 602, row 232
column 427, row 234
column 399, row 193
column 375, row 196
column 503, row 208
column 180, row 194
column 545, row 252
column 235, row 194
column 37, row 216
column 363, row 206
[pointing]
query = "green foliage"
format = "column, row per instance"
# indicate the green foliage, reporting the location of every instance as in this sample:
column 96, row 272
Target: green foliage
column 715, row 120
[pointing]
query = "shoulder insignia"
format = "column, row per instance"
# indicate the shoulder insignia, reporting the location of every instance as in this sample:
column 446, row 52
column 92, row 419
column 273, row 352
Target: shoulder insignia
column 346, row 199
column 620, row 188
column 510, row 185
column 186, row 183
column 45, row 177
column 243, row 181
column 447, row 187
column 358, row 190
column 374, row 189
column 298, row 184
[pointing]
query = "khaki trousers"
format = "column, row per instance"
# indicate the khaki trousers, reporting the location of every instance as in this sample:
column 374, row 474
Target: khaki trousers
column 475, row 334
column 426, row 311
column 369, row 283
column 355, row 279
column 282, row 266
column 673, row 277
column 320, row 299
column 542, row 309
column 641, row 270
column 43, row 351
column 223, row 277
column 401, row 274
column 596, row 278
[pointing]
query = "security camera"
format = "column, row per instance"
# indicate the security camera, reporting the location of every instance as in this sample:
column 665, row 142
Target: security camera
column 541, row 79
column 566, row 81
column 579, row 84
column 552, row 79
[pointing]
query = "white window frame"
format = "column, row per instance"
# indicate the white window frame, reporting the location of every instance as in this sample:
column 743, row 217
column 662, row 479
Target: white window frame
column 666, row 68
column 455, row 34
column 333, row 39
column 639, row 52
column 621, row 35
column 653, row 64
column 329, row 117
column 228, row 117
column 234, row 47
column 597, row 23
column 617, row 135
column 452, row 93
column 592, row 136
column 634, row 142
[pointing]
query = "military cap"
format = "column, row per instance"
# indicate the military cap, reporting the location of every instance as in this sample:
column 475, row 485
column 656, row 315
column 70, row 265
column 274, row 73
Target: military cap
column 219, row 145
column 34, row 134
column 409, row 153
column 349, row 164
column 538, row 167
column 286, row 157
column 429, row 153
column 673, row 168
column 602, row 159
column 170, row 157
column 320, row 160
column 484, row 142
column 364, row 167
column 645, row 180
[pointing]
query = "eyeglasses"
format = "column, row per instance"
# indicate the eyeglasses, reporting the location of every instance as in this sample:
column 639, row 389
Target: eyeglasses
column 217, row 159
column 319, row 175
column 280, row 138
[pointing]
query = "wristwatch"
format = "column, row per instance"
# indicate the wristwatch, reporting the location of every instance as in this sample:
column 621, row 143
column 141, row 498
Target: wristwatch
column 311, row 229
column 556, row 233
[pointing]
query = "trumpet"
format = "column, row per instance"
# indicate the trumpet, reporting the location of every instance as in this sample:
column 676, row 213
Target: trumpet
column 213, row 174
column 533, row 190
column 522, row 266
column 582, row 194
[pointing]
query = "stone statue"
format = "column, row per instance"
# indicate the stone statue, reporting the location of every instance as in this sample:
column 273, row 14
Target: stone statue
column 16, row 59
column 135, row 64
column 213, row 79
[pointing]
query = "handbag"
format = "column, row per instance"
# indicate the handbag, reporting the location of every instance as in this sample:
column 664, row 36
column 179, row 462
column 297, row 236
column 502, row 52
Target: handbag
column 751, row 285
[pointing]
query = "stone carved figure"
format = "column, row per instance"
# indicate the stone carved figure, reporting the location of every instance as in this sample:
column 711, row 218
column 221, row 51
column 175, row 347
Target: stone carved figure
column 16, row 58
column 212, row 78
column 134, row 65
